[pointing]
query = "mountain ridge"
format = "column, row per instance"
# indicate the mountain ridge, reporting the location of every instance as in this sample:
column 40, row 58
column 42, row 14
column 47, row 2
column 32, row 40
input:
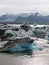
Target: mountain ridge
column 25, row 17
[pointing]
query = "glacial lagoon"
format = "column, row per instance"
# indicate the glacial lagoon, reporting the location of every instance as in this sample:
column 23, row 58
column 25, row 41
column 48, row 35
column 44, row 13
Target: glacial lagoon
column 37, row 52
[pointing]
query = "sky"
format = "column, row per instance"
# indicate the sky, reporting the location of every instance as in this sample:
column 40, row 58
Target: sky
column 24, row 6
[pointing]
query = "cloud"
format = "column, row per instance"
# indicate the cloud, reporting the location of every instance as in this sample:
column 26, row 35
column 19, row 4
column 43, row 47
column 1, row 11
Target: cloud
column 19, row 6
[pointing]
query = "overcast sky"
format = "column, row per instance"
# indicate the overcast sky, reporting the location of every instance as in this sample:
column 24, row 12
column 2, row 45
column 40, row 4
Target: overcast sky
column 22, row 6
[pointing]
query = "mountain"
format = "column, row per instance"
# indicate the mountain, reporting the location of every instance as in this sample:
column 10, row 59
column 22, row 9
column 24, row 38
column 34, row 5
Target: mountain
column 7, row 18
column 33, row 18
column 24, row 17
